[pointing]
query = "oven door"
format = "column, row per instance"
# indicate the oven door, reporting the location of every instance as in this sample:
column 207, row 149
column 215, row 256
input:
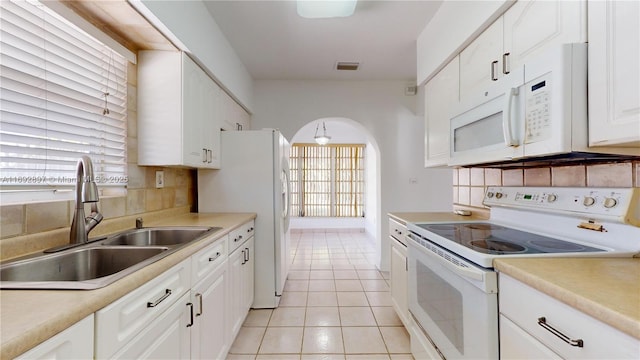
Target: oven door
column 453, row 301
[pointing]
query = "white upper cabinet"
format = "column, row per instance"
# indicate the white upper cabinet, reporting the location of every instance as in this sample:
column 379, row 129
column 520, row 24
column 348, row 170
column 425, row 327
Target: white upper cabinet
column 233, row 115
column 441, row 96
column 530, row 27
column 178, row 112
column 479, row 61
column 524, row 31
column 614, row 73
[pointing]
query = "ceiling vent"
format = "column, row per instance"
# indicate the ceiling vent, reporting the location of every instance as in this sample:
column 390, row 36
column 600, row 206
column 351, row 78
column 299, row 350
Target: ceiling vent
column 346, row 65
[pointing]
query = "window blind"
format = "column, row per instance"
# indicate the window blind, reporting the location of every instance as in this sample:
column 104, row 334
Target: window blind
column 327, row 180
column 63, row 94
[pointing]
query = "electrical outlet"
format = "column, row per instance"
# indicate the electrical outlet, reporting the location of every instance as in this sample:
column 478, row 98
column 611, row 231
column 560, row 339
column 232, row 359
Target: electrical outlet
column 159, row 179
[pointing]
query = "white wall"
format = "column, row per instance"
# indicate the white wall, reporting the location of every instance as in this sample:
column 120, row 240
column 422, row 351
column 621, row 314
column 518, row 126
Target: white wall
column 391, row 118
column 193, row 29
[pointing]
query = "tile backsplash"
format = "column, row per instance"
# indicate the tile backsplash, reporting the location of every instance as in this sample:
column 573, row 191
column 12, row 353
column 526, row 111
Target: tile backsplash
column 142, row 196
column 469, row 184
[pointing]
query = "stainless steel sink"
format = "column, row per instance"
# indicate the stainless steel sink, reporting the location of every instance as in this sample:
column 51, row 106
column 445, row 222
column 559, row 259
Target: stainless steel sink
column 161, row 236
column 100, row 262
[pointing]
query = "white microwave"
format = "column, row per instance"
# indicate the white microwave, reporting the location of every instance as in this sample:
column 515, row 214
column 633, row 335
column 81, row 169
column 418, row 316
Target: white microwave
column 539, row 109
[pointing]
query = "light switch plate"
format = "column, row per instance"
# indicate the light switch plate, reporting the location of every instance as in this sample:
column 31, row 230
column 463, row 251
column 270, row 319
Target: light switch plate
column 159, row 179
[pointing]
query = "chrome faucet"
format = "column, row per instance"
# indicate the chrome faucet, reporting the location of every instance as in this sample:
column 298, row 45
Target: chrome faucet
column 86, row 192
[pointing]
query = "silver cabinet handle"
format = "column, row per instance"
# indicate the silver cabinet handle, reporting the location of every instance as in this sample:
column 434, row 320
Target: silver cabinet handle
column 210, row 156
column 215, row 257
column 161, row 299
column 505, row 63
column 494, row 70
column 190, row 305
column 199, row 297
column 542, row 321
column 204, row 155
column 246, row 255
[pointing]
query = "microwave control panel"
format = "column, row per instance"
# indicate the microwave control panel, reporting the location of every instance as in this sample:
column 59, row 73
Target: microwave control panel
column 537, row 110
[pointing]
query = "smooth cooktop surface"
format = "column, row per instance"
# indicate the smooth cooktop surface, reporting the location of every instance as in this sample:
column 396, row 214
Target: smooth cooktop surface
column 494, row 239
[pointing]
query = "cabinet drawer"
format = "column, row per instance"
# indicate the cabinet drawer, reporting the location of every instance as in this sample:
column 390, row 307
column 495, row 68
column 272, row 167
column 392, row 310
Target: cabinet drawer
column 166, row 337
column 398, row 231
column 122, row 320
column 208, row 259
column 238, row 236
column 524, row 305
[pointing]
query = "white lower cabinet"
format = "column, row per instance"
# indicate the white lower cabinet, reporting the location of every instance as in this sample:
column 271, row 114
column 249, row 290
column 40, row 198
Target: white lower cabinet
column 534, row 325
column 209, row 338
column 516, row 343
column 194, row 310
column 120, row 322
column 166, row 337
column 399, row 271
column 241, row 268
column 76, row 342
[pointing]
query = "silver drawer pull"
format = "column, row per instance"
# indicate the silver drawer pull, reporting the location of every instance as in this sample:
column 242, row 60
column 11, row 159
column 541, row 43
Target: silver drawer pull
column 542, row 321
column 215, row 257
column 161, row 299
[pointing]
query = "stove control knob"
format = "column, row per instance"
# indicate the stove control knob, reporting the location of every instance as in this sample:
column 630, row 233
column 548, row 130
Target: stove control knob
column 499, row 195
column 552, row 197
column 489, row 194
column 588, row 201
column 610, row 202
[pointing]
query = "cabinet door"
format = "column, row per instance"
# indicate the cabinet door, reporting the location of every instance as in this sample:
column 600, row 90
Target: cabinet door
column 236, row 261
column 441, row 96
column 530, row 27
column 211, row 122
column 76, row 342
column 167, row 337
column 247, row 276
column 614, row 74
column 194, row 95
column 516, row 343
column 399, row 280
column 209, row 336
column 477, row 61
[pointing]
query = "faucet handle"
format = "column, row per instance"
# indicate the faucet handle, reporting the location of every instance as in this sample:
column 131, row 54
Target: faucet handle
column 139, row 223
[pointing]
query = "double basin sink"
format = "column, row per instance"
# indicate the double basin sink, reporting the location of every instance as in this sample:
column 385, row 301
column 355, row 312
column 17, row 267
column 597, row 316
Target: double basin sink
column 100, row 262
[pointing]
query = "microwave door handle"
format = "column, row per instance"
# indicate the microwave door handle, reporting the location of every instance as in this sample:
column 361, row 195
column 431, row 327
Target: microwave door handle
column 506, row 118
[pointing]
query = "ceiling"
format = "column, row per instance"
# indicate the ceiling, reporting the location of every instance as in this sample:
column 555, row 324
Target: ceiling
column 274, row 42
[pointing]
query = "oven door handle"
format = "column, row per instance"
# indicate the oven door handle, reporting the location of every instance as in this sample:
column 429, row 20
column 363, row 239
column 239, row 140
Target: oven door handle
column 468, row 272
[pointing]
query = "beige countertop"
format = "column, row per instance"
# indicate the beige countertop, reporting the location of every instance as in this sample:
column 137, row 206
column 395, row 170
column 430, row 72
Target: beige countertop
column 607, row 289
column 29, row 317
column 413, row 217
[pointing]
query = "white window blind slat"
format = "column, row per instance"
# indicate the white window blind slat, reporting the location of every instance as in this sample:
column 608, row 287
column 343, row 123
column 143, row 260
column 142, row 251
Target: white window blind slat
column 62, row 95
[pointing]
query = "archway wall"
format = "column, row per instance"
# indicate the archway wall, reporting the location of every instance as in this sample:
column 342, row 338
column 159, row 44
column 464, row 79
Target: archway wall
column 395, row 123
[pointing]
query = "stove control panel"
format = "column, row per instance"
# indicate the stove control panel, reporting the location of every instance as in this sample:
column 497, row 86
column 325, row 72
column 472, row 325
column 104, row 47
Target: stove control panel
column 614, row 203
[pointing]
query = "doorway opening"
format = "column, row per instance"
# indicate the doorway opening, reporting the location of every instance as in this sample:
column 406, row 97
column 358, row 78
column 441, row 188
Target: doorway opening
column 336, row 187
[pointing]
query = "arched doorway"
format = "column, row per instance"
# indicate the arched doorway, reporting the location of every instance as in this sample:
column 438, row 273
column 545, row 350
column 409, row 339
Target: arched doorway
column 347, row 131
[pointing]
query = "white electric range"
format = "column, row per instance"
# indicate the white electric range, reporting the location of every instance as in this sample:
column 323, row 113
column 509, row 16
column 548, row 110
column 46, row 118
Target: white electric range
column 452, row 285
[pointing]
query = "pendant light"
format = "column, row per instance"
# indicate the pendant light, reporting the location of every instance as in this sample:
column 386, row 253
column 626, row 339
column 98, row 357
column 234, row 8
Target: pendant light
column 324, row 138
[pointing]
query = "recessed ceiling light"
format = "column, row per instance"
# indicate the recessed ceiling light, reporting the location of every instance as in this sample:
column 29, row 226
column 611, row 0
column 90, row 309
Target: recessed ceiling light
column 347, row 65
column 319, row 9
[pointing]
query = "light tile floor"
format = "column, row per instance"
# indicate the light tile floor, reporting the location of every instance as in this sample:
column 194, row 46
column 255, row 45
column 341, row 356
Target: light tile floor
column 336, row 305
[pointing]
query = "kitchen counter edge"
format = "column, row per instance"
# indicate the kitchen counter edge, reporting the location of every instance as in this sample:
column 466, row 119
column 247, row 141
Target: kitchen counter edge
column 30, row 317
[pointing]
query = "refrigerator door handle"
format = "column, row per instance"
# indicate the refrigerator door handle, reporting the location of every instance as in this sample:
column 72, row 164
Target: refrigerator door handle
column 285, row 198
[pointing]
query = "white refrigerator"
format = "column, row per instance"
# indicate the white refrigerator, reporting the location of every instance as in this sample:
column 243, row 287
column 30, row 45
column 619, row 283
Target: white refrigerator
column 254, row 177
